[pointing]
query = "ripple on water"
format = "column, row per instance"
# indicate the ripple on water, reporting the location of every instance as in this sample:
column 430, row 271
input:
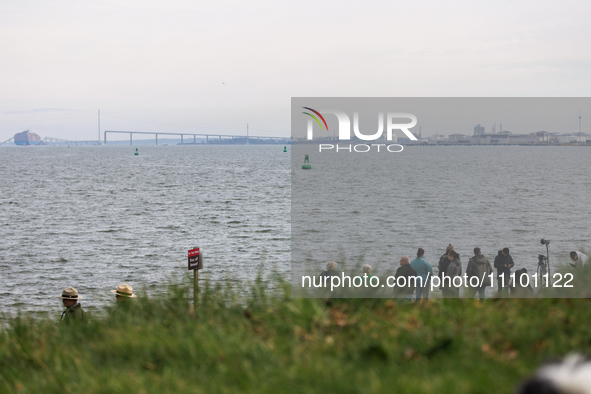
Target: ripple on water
column 86, row 226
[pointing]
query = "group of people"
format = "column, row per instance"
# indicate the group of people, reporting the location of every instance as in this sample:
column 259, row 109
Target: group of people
column 450, row 266
column 478, row 266
column 74, row 309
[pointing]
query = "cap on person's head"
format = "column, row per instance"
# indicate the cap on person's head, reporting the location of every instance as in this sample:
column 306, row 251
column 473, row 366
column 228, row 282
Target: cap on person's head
column 124, row 291
column 70, row 293
column 573, row 255
column 476, row 251
column 331, row 266
column 506, row 250
column 366, row 269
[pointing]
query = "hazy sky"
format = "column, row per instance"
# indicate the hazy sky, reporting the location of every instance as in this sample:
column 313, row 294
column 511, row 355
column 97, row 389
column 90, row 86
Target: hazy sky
column 178, row 65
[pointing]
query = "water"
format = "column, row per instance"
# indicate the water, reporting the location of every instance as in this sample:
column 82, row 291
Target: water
column 95, row 217
column 374, row 208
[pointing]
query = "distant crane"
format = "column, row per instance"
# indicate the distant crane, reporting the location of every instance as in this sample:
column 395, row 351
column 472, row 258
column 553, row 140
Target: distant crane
column 580, row 135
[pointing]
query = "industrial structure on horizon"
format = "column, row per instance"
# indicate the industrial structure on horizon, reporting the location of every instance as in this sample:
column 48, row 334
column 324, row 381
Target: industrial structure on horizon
column 503, row 137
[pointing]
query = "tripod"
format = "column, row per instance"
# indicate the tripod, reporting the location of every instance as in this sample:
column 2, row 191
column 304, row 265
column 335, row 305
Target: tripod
column 544, row 263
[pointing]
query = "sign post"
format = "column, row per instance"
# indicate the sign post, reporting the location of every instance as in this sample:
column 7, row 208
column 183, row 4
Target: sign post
column 195, row 264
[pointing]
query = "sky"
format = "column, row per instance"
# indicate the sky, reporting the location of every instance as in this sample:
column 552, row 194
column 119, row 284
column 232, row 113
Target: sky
column 200, row 66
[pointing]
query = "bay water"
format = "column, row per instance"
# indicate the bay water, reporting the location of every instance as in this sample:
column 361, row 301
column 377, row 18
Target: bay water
column 95, row 217
column 375, row 207
column 98, row 216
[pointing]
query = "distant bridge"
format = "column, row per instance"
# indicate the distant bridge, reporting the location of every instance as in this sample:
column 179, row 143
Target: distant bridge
column 56, row 140
column 214, row 137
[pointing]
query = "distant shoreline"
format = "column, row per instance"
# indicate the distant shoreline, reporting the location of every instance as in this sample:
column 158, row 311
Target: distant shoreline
column 405, row 144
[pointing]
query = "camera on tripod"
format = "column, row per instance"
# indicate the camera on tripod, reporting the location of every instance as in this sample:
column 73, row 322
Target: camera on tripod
column 544, row 262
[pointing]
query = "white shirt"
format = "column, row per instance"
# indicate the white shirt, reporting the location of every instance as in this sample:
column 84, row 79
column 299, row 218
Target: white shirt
column 581, row 259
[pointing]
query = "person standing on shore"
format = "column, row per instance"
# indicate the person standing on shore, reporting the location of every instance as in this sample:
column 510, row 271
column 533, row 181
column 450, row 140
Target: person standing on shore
column 503, row 264
column 444, row 261
column 453, row 269
column 409, row 274
column 74, row 311
column 331, row 269
column 425, row 271
column 367, row 271
column 479, row 266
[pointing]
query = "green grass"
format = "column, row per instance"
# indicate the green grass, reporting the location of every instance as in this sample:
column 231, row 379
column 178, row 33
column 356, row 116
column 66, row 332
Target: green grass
column 275, row 344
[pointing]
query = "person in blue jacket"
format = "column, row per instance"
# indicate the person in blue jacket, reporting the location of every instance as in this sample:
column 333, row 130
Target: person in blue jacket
column 425, row 271
column 503, row 264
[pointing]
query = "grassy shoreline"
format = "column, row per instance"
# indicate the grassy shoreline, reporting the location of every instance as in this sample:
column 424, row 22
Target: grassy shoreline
column 272, row 343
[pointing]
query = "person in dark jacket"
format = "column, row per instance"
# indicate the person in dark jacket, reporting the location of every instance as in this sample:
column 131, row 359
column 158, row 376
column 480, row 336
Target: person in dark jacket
column 74, row 311
column 516, row 288
column 503, row 264
column 444, row 261
column 453, row 269
column 409, row 274
column 331, row 269
column 478, row 266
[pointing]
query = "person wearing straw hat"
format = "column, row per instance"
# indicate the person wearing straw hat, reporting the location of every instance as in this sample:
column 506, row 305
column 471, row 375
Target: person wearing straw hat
column 123, row 292
column 73, row 310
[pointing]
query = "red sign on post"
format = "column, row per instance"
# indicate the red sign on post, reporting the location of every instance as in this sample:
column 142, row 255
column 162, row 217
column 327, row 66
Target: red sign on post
column 195, row 259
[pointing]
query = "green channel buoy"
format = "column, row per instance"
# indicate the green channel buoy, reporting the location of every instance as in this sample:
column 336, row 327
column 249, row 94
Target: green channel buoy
column 306, row 165
column 136, row 152
column 285, row 148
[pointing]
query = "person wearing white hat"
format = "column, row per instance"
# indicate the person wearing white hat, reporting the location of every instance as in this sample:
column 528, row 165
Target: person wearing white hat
column 123, row 292
column 73, row 310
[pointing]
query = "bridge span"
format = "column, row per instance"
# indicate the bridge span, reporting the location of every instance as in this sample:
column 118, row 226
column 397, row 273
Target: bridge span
column 216, row 138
